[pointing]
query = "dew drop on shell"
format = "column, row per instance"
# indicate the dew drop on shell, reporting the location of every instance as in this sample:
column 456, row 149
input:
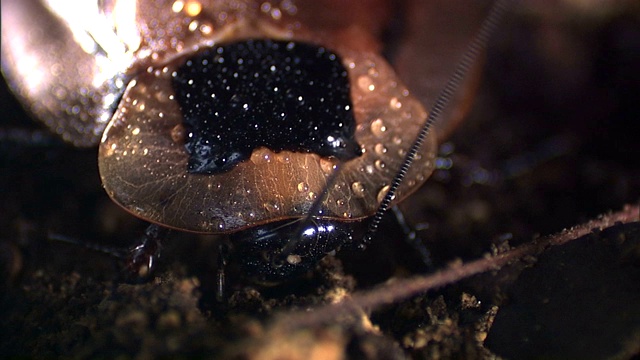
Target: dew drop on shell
column 380, row 149
column 177, row 134
column 382, row 193
column 303, row 187
column 378, row 128
column 358, row 189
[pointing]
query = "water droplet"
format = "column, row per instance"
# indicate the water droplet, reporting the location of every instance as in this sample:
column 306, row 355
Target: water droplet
column 303, row 187
column 380, row 149
column 340, row 202
column 283, row 157
column 378, row 128
column 193, row 26
column 135, row 131
column 276, row 14
column 294, row 259
column 311, row 195
column 382, row 193
column 177, row 6
column 206, row 29
column 215, row 224
column 395, row 103
column 358, row 189
column 366, row 83
column 193, row 8
column 178, row 133
column 261, row 156
column 327, row 166
column 271, row 206
column 380, row 165
column 214, row 187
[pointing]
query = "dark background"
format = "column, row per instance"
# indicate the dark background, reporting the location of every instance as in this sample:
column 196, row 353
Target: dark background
column 551, row 142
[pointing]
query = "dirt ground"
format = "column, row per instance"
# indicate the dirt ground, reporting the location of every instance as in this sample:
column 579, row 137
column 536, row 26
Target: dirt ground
column 548, row 145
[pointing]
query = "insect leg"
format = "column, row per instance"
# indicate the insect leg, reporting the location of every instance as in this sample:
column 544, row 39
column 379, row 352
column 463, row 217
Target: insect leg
column 412, row 238
column 141, row 259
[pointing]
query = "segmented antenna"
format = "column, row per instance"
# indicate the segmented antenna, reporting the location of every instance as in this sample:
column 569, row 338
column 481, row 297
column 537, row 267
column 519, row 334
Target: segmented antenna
column 475, row 48
column 118, row 253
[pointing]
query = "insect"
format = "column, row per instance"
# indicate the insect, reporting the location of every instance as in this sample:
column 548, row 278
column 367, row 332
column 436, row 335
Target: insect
column 254, row 119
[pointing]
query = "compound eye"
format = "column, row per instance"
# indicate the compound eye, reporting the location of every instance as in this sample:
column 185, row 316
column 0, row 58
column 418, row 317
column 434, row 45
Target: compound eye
column 147, row 152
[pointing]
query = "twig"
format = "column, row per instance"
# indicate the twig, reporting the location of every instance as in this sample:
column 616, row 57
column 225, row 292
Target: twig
column 402, row 289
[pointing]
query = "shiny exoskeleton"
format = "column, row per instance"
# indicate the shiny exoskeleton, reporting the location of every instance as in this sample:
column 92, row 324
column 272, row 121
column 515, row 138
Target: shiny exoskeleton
column 275, row 122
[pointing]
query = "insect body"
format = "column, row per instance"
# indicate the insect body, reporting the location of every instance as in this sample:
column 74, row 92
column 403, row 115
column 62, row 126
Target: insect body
column 227, row 117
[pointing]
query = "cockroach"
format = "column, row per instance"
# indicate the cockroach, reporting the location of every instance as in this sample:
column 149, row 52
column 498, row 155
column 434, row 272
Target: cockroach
column 277, row 123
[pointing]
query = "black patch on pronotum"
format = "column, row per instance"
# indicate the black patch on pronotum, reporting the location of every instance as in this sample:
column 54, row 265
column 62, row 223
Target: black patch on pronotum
column 278, row 94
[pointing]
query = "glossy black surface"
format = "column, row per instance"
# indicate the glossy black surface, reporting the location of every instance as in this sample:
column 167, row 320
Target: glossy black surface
column 279, row 251
column 280, row 95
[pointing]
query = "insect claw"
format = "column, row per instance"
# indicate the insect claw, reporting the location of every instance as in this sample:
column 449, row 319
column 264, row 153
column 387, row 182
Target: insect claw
column 141, row 258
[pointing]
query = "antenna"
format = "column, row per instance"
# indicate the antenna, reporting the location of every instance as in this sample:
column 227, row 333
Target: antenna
column 291, row 245
column 477, row 45
column 475, row 48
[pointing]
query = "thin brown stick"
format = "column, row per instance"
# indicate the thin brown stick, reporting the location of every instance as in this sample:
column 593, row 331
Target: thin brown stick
column 402, row 289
